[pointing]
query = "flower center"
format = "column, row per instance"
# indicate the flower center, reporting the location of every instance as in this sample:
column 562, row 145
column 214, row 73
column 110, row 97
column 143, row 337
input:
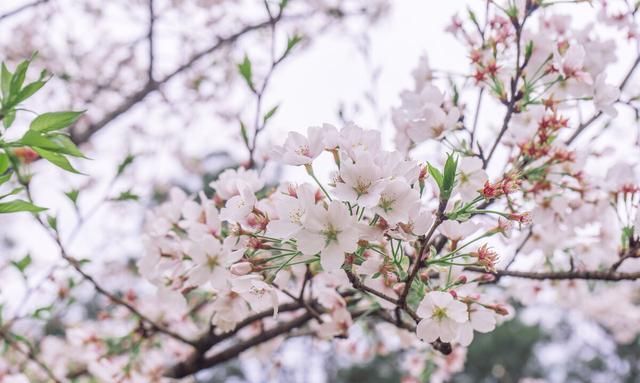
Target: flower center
column 330, row 233
column 439, row 313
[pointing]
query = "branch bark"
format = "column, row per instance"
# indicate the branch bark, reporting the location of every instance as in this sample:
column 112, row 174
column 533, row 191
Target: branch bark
column 192, row 366
column 562, row 275
column 151, row 85
column 22, row 8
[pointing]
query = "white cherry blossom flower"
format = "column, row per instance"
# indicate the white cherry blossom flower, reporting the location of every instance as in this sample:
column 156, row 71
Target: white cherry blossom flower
column 239, row 206
column 456, row 231
column 362, row 182
column 331, row 232
column 480, row 320
column 291, row 211
column 200, row 219
column 212, row 261
column 301, row 150
column 442, row 316
column 396, row 199
column 231, row 181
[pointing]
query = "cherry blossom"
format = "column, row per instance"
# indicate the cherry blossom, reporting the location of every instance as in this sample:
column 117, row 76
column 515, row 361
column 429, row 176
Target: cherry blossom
column 442, row 317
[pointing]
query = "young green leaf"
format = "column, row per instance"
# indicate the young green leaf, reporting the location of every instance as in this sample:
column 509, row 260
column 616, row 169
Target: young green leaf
column 449, row 177
column 127, row 195
column 270, row 113
column 57, row 159
column 23, row 263
column 29, row 91
column 246, row 72
column 19, row 205
column 18, row 77
column 5, row 178
column 53, row 222
column 435, row 174
column 5, row 81
column 12, row 192
column 128, row 160
column 48, row 122
column 243, row 132
column 73, row 195
column 64, row 145
column 292, row 41
column 4, row 162
column 8, row 119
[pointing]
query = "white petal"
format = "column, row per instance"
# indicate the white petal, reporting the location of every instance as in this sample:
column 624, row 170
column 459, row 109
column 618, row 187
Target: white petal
column 427, row 330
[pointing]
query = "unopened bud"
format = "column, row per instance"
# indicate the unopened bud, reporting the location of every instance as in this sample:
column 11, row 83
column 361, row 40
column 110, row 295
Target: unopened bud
column 453, row 294
column 500, row 309
column 461, row 280
column 424, row 276
column 25, row 154
column 486, row 278
column 241, row 268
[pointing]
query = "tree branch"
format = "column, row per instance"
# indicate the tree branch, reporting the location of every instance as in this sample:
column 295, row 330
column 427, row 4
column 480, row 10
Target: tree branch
column 562, row 275
column 82, row 136
column 192, row 366
column 22, row 8
column 596, row 116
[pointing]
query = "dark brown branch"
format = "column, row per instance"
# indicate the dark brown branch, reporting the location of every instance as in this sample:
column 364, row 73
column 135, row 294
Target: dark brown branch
column 22, row 8
column 424, row 248
column 151, row 86
column 189, row 367
column 150, row 38
column 115, row 299
column 562, row 275
column 515, row 93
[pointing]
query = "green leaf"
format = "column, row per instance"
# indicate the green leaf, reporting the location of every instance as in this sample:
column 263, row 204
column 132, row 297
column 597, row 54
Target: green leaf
column 246, row 72
column 528, row 50
column 12, row 192
column 35, row 139
column 48, row 122
column 18, row 77
column 65, row 145
column 292, row 41
column 53, row 222
column 5, row 178
column 270, row 113
column 4, row 162
column 8, row 119
column 128, row 160
column 5, row 81
column 243, row 132
column 57, row 159
column 449, row 177
column 23, row 263
column 19, row 205
column 73, row 195
column 29, row 91
column 436, row 175
column 58, row 143
column 127, row 196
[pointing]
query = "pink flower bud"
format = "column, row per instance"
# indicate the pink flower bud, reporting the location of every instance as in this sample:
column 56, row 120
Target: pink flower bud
column 500, row 309
column 241, row 268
